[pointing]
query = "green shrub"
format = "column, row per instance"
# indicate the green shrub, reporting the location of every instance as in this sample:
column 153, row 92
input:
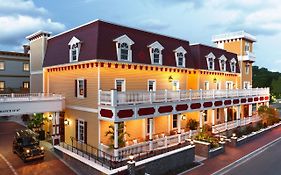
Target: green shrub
column 192, row 124
column 206, row 137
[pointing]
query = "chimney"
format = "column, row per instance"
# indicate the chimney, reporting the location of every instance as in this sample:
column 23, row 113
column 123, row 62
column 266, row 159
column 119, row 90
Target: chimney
column 26, row 48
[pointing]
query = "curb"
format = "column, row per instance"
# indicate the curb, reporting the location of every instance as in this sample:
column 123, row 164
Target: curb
column 245, row 158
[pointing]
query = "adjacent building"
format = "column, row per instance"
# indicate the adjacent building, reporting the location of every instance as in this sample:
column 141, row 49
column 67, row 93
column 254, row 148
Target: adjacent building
column 14, row 72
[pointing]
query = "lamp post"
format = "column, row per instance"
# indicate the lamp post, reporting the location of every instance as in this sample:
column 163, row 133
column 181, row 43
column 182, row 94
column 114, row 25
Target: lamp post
column 131, row 165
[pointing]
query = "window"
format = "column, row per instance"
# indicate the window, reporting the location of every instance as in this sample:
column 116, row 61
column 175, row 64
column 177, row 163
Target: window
column 206, row 85
column 81, row 88
column 155, row 50
column 123, row 48
column 247, row 68
column 180, row 56
column 222, row 63
column 205, row 116
column 124, row 51
column 156, row 56
column 2, row 65
column 246, row 85
column 74, row 49
column 218, row 85
column 81, row 131
column 233, row 65
column 211, row 61
column 120, row 85
column 151, row 85
column 25, row 85
column 175, row 120
column 228, row 85
column 247, row 47
column 25, row 66
column 2, row 85
column 218, row 114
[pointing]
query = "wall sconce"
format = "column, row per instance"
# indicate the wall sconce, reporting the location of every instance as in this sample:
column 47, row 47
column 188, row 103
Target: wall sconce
column 50, row 117
column 66, row 122
column 170, row 79
column 183, row 117
column 215, row 80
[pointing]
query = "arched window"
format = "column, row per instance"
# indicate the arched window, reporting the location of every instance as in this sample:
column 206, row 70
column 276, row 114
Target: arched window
column 74, row 49
column 180, row 56
column 222, row 63
column 211, row 61
column 124, row 51
column 233, row 65
column 156, row 55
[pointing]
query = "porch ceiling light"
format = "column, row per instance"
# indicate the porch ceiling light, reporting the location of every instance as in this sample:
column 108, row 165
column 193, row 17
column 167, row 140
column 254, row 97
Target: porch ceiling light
column 131, row 157
column 170, row 79
column 66, row 122
column 233, row 135
column 183, row 117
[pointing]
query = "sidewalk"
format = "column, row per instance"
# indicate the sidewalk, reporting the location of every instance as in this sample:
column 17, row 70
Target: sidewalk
column 232, row 154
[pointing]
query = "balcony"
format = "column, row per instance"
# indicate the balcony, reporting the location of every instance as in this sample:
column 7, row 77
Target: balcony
column 249, row 56
column 15, row 104
column 119, row 106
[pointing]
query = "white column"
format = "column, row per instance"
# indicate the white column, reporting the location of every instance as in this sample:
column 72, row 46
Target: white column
column 250, row 110
column 225, row 117
column 179, row 128
column 150, row 133
column 257, row 106
column 116, row 139
column 213, row 119
column 200, row 120
column 55, row 123
column 238, row 115
column 267, row 104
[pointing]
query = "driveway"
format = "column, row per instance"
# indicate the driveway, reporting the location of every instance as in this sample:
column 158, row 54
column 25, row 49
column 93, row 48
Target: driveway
column 11, row 164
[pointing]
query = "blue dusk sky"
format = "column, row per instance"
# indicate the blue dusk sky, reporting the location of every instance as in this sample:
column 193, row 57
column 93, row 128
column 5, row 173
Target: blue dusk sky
column 193, row 20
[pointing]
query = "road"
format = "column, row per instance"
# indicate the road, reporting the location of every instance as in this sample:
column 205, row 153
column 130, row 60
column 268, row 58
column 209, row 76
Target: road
column 267, row 162
column 11, row 164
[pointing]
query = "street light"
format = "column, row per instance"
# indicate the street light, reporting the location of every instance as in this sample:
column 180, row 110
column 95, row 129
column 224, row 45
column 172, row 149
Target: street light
column 131, row 165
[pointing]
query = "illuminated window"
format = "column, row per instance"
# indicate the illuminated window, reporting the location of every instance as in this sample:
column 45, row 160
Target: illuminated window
column 175, row 120
column 25, row 85
column 81, row 130
column 2, row 85
column 25, row 66
column 2, row 65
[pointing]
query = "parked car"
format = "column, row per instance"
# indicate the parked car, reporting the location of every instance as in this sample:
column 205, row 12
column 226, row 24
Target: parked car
column 26, row 145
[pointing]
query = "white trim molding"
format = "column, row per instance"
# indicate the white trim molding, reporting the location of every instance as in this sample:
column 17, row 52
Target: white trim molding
column 126, row 41
column 74, row 47
column 180, row 52
column 156, row 47
column 211, row 57
column 222, row 63
column 233, row 65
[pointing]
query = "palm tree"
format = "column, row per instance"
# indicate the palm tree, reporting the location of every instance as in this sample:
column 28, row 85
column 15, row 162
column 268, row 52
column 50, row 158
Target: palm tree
column 121, row 135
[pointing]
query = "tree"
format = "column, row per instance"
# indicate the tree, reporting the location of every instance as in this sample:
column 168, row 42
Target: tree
column 276, row 87
column 36, row 122
column 121, row 135
column 269, row 115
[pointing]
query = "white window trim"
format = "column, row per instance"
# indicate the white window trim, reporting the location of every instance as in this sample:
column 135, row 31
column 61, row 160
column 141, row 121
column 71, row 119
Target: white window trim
column 210, row 55
column 155, row 45
column 72, row 42
column 222, row 59
column 229, row 82
column 122, row 79
column 183, row 51
column 233, row 61
column 154, row 89
column 79, row 139
column 119, row 41
column 78, row 94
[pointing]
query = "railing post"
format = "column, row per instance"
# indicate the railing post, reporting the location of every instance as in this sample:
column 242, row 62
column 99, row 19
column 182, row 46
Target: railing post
column 166, row 95
column 150, row 96
column 13, row 95
column 213, row 93
column 114, row 97
column 190, row 94
column 201, row 94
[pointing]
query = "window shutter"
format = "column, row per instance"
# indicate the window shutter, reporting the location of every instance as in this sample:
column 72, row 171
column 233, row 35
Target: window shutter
column 76, row 130
column 85, row 88
column 75, row 88
column 85, row 132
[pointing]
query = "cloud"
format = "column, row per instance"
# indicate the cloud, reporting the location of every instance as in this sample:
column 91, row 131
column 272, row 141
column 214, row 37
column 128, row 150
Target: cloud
column 194, row 3
column 153, row 24
column 20, row 18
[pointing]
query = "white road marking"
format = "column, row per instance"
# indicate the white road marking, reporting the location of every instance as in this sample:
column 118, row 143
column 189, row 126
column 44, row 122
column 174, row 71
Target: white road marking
column 9, row 164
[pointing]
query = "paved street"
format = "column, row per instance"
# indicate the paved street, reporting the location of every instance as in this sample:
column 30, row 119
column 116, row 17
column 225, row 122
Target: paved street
column 267, row 162
column 11, row 164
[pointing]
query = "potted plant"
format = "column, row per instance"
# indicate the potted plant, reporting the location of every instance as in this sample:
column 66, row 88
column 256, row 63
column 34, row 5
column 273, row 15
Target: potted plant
column 121, row 135
column 36, row 124
column 192, row 124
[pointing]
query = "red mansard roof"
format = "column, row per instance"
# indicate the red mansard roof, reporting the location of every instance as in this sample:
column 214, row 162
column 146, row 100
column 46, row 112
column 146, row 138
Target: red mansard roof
column 97, row 43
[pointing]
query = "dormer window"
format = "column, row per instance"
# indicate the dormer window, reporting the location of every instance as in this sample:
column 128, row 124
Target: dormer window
column 155, row 50
column 180, row 56
column 233, row 65
column 74, row 49
column 124, row 48
column 211, row 61
column 222, row 63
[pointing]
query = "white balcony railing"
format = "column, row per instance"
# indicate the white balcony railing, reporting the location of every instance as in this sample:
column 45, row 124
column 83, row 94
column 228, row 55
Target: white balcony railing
column 29, row 97
column 115, row 98
column 235, row 123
